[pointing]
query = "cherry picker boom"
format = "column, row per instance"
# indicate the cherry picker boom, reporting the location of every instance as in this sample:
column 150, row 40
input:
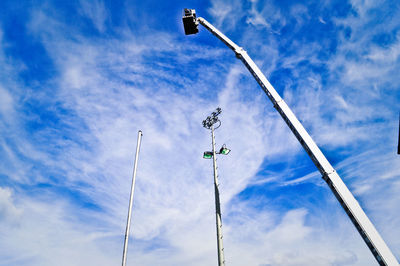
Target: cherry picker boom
column 370, row 235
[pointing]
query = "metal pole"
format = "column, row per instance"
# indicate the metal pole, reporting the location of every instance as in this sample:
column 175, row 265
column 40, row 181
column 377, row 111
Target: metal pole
column 367, row 230
column 398, row 144
column 128, row 222
column 221, row 260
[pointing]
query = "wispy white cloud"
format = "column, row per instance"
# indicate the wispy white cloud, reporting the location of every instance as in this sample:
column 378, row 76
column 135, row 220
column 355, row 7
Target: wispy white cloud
column 106, row 113
column 96, row 12
column 226, row 14
column 268, row 16
column 6, row 101
column 9, row 213
column 107, row 89
column 45, row 237
column 291, row 240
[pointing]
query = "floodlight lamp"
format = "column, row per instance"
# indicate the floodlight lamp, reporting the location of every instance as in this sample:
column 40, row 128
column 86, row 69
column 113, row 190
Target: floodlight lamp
column 224, row 150
column 207, row 155
column 207, row 123
column 189, row 21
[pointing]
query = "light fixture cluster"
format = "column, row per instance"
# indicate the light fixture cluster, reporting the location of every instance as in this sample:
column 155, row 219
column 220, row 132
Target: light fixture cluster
column 208, row 123
column 212, row 119
column 224, row 150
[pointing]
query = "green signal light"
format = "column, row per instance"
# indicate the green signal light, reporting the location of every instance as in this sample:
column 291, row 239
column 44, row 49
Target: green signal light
column 207, row 155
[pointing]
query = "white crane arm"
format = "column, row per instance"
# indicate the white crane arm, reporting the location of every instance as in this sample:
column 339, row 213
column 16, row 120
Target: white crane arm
column 353, row 209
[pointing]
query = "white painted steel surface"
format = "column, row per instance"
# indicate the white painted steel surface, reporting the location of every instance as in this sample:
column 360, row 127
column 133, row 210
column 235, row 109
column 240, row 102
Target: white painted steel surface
column 128, row 222
column 364, row 226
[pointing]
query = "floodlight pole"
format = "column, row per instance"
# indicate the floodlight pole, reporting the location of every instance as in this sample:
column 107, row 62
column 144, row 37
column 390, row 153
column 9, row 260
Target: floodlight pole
column 128, row 222
column 221, row 260
column 209, row 124
column 366, row 229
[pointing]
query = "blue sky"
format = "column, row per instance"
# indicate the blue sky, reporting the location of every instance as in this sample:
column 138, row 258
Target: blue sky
column 78, row 79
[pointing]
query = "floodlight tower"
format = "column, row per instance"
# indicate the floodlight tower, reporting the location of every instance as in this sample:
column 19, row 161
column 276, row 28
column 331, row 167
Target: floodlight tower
column 351, row 206
column 209, row 124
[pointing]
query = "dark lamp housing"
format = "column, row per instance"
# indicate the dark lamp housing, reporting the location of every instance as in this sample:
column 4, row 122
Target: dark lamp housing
column 224, row 150
column 189, row 21
column 207, row 155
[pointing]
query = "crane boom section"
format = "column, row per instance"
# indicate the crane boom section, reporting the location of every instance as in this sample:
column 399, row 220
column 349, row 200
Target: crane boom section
column 351, row 206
